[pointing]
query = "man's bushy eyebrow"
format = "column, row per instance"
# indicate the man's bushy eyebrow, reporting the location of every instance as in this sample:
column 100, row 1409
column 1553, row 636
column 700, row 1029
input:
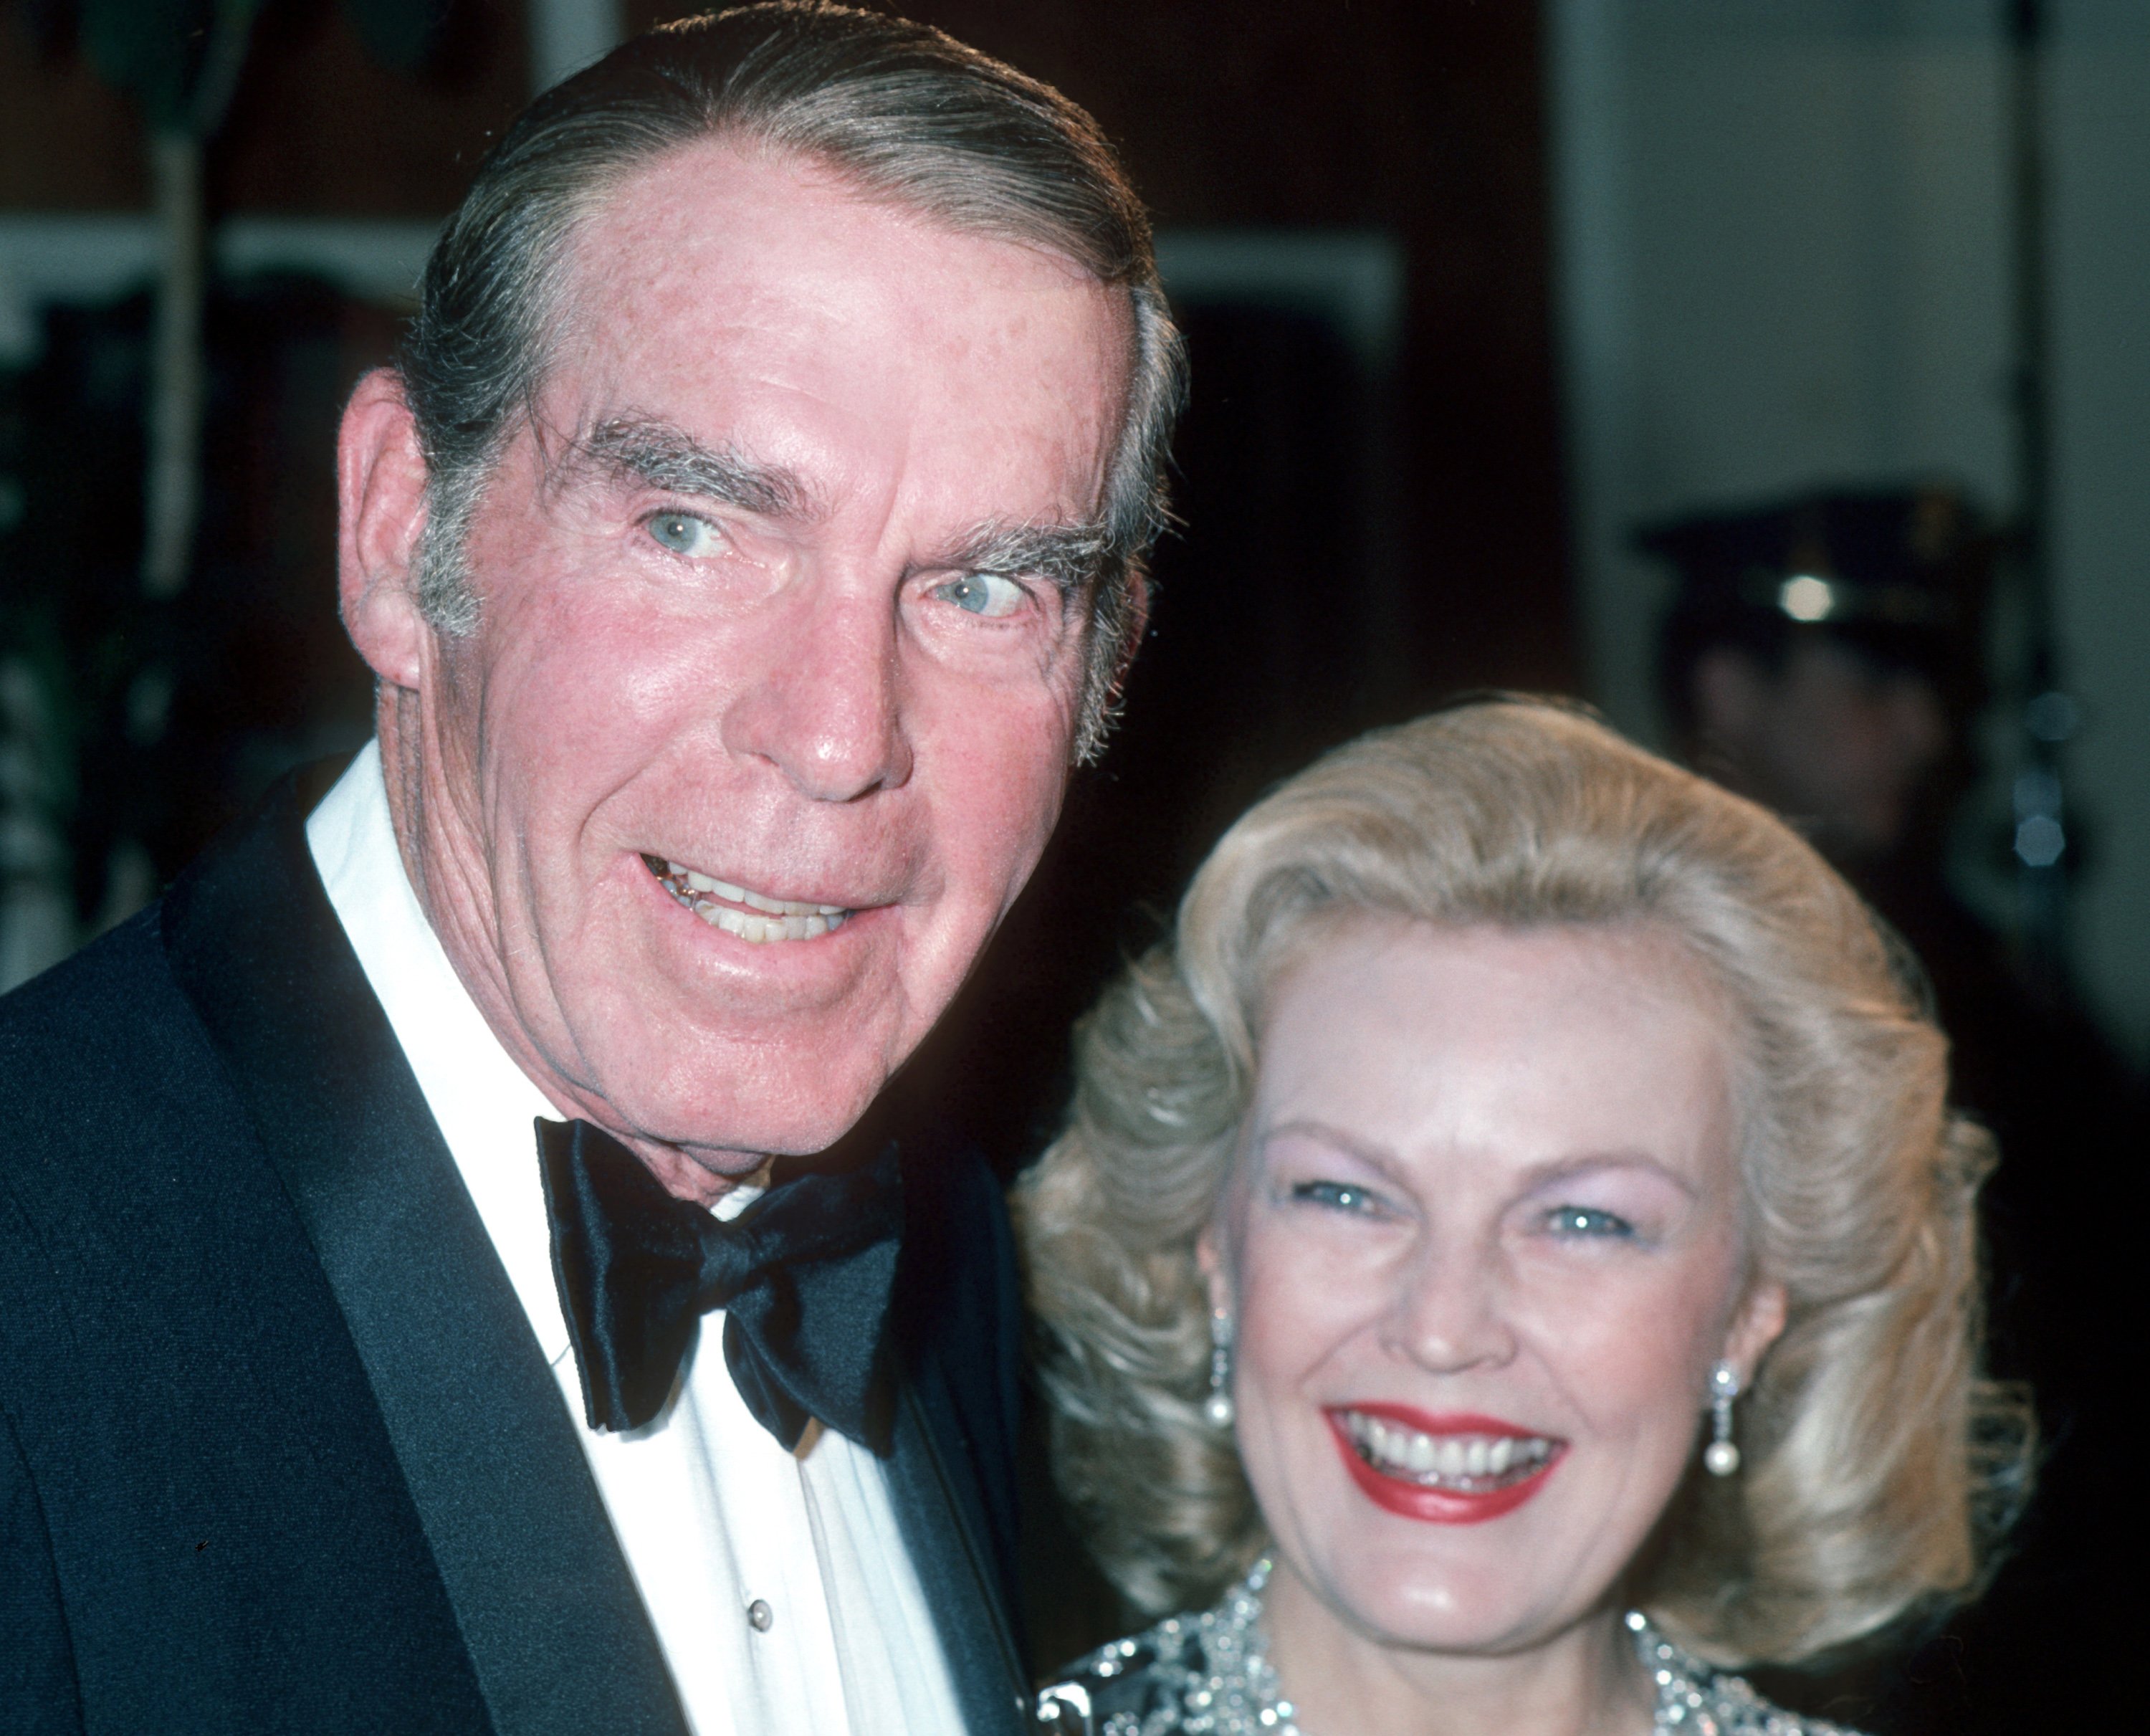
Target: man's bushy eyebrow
column 658, row 455
column 1070, row 555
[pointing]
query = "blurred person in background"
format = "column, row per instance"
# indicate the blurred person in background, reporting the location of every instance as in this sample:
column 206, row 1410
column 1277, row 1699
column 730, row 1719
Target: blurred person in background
column 1512, row 1262
column 1826, row 655
column 1822, row 657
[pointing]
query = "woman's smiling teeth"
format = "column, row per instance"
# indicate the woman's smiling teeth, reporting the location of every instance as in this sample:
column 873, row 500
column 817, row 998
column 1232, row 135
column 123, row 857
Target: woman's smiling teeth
column 1469, row 1463
column 752, row 916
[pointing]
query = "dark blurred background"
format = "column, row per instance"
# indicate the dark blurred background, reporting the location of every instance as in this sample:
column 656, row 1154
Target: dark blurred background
column 1476, row 294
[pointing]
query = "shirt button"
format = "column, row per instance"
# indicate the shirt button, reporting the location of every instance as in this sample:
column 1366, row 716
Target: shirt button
column 759, row 1616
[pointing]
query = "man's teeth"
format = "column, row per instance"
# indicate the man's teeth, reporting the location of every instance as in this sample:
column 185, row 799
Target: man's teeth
column 1465, row 1462
column 717, row 902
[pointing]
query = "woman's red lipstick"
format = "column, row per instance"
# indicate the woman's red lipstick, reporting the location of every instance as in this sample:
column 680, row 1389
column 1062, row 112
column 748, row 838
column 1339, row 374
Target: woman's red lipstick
column 1464, row 1499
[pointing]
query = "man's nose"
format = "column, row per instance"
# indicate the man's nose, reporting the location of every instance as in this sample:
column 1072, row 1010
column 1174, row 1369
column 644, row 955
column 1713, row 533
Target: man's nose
column 826, row 710
column 1449, row 1312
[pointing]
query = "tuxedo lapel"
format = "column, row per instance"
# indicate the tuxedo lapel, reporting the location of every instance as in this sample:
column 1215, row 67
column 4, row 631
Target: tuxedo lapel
column 543, row 1597
column 942, row 1530
column 951, row 1471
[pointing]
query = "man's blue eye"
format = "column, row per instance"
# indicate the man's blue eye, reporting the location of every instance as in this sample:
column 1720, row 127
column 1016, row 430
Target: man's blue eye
column 1340, row 1196
column 683, row 533
column 1582, row 1220
column 991, row 594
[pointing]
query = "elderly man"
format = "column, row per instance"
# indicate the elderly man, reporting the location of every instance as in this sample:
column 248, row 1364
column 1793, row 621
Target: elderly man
column 749, row 542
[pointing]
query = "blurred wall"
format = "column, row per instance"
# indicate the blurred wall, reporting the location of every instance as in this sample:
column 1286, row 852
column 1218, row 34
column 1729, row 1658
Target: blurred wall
column 1782, row 240
column 320, row 124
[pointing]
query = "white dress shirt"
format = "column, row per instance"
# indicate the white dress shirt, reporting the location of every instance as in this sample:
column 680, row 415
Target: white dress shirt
column 778, row 1583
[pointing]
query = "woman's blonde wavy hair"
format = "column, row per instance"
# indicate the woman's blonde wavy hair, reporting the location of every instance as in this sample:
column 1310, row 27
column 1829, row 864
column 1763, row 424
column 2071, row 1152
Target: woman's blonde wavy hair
column 1878, row 1466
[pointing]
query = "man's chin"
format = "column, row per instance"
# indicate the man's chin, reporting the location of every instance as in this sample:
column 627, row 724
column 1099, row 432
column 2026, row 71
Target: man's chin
column 733, row 1133
column 732, row 1078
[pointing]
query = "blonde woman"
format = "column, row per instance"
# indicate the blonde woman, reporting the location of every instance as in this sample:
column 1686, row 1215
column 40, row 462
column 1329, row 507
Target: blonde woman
column 1511, row 1262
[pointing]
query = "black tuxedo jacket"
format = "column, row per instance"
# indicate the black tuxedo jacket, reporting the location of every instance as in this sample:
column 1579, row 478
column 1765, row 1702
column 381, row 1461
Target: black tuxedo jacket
column 278, row 1452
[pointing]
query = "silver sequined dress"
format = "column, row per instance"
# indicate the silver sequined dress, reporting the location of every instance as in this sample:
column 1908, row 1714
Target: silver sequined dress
column 1209, row 1675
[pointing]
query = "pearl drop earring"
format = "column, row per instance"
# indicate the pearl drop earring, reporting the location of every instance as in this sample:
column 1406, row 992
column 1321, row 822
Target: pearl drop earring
column 1721, row 1458
column 1218, row 1407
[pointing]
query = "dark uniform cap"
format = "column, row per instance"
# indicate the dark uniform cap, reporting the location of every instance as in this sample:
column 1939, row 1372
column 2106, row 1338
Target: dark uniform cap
column 1900, row 574
column 1905, row 559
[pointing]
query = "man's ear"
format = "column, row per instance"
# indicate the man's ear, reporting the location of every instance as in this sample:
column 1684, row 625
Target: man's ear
column 1137, row 608
column 381, row 509
column 1133, row 623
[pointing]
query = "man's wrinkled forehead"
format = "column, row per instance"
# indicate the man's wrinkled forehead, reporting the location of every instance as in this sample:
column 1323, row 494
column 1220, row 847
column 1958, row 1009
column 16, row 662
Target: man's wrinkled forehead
column 726, row 322
column 727, row 215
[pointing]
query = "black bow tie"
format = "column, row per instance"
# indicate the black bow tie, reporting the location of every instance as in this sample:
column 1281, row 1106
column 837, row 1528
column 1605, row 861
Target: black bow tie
column 803, row 1275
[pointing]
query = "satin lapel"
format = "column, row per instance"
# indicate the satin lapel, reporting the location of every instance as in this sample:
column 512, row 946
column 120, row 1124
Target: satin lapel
column 951, row 1471
column 944, row 1534
column 543, row 1597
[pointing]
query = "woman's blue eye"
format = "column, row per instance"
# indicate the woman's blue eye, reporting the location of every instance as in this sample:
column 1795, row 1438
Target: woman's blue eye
column 1340, row 1196
column 684, row 533
column 1582, row 1220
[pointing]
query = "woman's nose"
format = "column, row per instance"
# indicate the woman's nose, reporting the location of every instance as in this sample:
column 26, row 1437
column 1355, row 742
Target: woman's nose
column 1448, row 1314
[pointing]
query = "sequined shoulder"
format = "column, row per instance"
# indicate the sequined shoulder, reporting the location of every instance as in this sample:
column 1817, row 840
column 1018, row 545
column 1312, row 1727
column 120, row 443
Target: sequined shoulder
column 1198, row 1675
column 1122, row 1687
column 1207, row 1674
column 1695, row 1697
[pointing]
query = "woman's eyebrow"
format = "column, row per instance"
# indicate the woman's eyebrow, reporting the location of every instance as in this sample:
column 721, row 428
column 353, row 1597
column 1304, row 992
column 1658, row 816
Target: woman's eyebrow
column 1557, row 1170
column 1349, row 1144
column 1535, row 1177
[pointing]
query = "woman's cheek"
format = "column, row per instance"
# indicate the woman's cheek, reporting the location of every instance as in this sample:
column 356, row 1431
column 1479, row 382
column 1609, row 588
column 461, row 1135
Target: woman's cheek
column 1301, row 1298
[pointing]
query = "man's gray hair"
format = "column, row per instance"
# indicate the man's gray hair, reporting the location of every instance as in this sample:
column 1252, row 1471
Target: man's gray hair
column 902, row 112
